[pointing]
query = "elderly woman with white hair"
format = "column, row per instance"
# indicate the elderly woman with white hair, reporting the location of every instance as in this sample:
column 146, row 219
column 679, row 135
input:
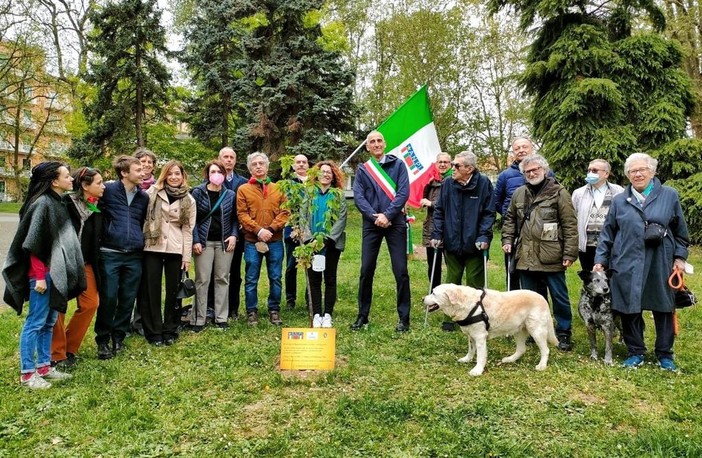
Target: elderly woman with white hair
column 643, row 239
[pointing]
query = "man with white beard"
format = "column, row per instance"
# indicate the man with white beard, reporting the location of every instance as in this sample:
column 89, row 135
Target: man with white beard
column 541, row 231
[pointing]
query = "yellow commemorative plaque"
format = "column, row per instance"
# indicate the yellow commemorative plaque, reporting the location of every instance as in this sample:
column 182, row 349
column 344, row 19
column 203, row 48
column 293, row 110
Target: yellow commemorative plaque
column 308, row 349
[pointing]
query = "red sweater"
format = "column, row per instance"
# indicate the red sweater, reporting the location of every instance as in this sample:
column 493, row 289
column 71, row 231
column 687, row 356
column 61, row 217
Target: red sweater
column 37, row 269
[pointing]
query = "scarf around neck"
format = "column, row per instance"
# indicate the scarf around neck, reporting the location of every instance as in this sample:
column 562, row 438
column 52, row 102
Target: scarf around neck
column 154, row 215
column 263, row 182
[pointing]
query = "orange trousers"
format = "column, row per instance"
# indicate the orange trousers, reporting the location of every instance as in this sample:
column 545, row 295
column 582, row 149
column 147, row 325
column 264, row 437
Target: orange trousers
column 67, row 339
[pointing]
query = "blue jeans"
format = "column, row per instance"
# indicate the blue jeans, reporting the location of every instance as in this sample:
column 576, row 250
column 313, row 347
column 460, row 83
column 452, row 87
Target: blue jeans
column 274, row 265
column 556, row 284
column 37, row 330
column 121, row 275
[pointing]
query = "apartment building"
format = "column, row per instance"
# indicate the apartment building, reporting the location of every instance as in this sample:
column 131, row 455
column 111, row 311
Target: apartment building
column 33, row 115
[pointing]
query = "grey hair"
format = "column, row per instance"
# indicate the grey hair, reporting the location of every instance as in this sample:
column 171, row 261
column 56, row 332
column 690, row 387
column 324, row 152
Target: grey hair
column 254, row 155
column 467, row 158
column 226, row 149
column 652, row 163
column 607, row 167
column 523, row 137
column 443, row 153
column 534, row 159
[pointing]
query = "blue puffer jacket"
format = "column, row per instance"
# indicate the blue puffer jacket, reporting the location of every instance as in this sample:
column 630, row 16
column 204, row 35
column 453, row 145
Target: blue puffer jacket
column 371, row 199
column 227, row 209
column 122, row 228
column 463, row 215
column 507, row 182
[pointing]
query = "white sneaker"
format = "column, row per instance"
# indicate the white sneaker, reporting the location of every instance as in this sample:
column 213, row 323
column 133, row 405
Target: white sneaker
column 55, row 374
column 317, row 321
column 327, row 321
column 35, row 382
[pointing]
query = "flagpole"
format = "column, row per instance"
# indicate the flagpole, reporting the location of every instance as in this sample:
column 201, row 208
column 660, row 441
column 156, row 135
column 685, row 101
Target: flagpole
column 353, row 154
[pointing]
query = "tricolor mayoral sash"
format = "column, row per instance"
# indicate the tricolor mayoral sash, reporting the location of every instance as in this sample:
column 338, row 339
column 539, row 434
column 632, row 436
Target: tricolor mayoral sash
column 381, row 178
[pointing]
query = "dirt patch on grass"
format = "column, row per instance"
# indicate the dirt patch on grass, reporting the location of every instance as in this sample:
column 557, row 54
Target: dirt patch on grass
column 589, row 399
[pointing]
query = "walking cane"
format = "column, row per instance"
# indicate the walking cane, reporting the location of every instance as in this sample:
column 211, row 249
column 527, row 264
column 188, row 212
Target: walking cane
column 431, row 282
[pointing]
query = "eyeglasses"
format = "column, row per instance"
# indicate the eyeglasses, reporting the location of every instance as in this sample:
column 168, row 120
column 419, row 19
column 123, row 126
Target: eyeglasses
column 443, row 162
column 642, row 171
column 591, row 170
column 532, row 171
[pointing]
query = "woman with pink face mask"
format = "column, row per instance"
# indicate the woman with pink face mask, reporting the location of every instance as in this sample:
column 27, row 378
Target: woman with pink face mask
column 214, row 238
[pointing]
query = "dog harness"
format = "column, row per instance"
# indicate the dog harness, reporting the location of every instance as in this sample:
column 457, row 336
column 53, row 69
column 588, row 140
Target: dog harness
column 472, row 319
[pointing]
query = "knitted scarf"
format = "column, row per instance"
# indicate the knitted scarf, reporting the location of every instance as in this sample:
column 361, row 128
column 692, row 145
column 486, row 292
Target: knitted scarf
column 154, row 215
column 146, row 183
column 263, row 184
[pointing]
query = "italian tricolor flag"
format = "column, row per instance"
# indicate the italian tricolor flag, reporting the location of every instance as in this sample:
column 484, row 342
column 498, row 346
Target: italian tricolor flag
column 411, row 136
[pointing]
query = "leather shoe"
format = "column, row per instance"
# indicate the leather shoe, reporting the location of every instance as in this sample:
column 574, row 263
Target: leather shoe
column 274, row 318
column 117, row 346
column 104, row 351
column 402, row 327
column 564, row 343
column 359, row 323
column 169, row 341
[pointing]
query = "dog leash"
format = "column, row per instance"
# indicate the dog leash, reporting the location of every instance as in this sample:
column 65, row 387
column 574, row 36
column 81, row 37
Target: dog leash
column 677, row 282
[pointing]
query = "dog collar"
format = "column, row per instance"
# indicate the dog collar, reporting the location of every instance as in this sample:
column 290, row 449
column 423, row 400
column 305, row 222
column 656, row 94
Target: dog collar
column 471, row 319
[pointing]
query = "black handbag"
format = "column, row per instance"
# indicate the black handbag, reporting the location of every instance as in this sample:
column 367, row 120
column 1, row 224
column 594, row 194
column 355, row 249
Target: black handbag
column 186, row 287
column 684, row 298
column 654, row 233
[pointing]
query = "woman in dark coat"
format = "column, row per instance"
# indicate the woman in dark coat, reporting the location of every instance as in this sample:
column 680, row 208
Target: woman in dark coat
column 639, row 269
column 45, row 265
column 88, row 187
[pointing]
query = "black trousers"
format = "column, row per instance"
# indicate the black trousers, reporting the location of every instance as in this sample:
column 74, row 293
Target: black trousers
column 234, row 280
column 396, row 239
column 431, row 253
column 587, row 258
column 633, row 326
column 329, row 275
column 290, row 272
column 157, row 266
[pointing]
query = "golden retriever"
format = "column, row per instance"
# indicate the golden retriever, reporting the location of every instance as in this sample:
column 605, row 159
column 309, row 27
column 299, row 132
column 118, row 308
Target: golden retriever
column 519, row 313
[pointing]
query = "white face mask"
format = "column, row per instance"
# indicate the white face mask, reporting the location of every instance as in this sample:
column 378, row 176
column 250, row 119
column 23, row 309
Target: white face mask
column 592, row 178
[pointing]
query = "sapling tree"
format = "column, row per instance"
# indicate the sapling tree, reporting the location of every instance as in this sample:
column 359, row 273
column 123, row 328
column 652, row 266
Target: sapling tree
column 299, row 201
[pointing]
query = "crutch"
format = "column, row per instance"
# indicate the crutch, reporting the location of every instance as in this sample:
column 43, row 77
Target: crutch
column 485, row 259
column 431, row 282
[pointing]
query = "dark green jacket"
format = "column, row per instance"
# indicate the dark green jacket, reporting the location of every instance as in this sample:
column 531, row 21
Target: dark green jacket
column 550, row 234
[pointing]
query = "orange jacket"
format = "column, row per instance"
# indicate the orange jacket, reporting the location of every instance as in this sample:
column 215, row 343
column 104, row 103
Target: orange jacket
column 256, row 212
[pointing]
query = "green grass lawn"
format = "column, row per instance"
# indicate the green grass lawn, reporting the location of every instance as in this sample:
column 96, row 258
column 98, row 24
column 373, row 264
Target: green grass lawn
column 10, row 207
column 221, row 393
